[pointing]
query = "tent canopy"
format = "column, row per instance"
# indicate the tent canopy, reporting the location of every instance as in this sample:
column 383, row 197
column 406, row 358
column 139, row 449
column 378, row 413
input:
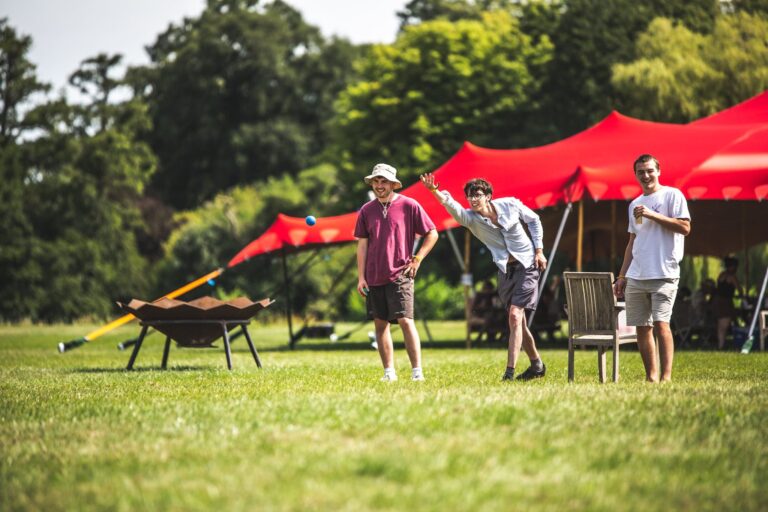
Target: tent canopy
column 720, row 157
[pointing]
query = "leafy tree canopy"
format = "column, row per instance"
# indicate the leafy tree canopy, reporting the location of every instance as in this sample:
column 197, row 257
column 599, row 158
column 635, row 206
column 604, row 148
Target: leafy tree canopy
column 439, row 84
column 681, row 75
column 237, row 94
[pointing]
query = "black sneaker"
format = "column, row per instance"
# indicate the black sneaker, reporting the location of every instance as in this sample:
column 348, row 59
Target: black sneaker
column 508, row 376
column 531, row 374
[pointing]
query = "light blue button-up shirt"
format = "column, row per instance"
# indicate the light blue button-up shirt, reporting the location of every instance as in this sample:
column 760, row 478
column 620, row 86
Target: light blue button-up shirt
column 508, row 239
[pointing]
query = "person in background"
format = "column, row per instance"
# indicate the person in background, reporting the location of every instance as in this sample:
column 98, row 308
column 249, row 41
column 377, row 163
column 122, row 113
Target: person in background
column 722, row 305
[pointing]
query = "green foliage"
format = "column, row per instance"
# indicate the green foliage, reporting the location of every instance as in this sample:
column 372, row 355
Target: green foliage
column 315, row 429
column 208, row 237
column 592, row 36
column 238, row 94
column 69, row 201
column 437, row 299
column 439, row 84
column 18, row 82
column 420, row 11
column 681, row 75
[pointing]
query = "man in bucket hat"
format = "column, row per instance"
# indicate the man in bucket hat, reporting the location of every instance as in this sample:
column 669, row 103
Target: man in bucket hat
column 386, row 230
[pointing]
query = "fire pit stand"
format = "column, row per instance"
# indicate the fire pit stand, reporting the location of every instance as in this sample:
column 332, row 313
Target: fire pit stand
column 158, row 324
column 194, row 324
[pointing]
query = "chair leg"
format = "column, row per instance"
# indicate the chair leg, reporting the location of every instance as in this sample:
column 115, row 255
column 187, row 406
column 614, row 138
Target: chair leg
column 601, row 363
column 616, row 363
column 570, row 360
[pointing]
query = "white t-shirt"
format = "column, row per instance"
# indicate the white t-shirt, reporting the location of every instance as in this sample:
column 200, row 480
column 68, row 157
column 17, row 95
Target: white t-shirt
column 657, row 251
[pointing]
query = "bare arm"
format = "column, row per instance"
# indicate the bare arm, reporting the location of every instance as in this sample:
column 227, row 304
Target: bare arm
column 430, row 239
column 362, row 256
column 621, row 280
column 451, row 205
column 681, row 226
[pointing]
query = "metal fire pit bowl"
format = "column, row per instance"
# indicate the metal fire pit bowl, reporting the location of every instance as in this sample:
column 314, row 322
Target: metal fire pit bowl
column 194, row 324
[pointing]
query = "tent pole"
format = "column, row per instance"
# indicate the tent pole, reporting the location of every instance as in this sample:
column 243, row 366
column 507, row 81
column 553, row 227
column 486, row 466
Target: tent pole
column 756, row 312
column 580, row 236
column 467, row 285
column 288, row 312
column 613, row 234
column 455, row 247
column 552, row 253
column 745, row 248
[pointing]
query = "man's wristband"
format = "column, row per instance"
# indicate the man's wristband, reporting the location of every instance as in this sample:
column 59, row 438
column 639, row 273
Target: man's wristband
column 415, row 258
column 620, row 277
column 434, row 187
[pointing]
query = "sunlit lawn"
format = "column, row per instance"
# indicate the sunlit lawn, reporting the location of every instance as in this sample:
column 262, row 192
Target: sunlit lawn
column 316, row 430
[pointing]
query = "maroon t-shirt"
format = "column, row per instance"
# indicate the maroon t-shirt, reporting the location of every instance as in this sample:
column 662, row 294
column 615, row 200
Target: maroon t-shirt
column 390, row 240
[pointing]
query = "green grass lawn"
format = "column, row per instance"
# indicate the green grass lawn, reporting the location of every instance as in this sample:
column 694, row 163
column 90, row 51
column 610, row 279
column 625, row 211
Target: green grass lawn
column 316, row 430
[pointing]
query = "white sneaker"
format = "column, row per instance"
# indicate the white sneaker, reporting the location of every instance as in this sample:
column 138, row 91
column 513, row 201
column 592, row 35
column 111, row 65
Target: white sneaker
column 418, row 377
column 389, row 377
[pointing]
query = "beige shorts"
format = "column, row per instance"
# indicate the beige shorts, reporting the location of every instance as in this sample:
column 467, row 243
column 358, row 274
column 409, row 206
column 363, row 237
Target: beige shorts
column 649, row 300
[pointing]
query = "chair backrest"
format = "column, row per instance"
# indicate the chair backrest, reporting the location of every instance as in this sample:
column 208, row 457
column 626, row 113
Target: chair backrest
column 591, row 303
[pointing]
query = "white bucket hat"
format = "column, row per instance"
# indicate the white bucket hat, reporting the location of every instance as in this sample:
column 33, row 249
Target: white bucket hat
column 385, row 171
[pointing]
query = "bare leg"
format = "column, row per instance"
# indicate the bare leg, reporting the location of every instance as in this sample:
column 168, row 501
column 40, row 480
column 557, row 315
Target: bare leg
column 722, row 330
column 529, row 344
column 516, row 324
column 666, row 349
column 384, row 342
column 648, row 352
column 412, row 341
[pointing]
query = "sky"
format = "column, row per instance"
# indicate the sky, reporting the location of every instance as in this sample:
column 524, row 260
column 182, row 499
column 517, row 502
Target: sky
column 64, row 33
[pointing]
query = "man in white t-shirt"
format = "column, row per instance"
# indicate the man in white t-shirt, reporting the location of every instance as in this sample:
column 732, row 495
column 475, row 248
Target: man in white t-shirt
column 658, row 222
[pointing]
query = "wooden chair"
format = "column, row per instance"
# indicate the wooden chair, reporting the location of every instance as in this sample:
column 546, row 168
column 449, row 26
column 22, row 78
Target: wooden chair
column 593, row 318
column 763, row 328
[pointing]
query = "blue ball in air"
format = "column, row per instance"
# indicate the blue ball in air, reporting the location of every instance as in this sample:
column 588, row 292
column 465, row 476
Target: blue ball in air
column 310, row 220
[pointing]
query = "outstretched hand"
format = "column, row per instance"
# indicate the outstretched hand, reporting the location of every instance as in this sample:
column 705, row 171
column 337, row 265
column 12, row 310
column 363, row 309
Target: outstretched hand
column 428, row 179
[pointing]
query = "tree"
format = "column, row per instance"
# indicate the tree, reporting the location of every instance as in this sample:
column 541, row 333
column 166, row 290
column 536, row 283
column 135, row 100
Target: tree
column 681, row 75
column 93, row 79
column 67, row 202
column 439, row 84
column 240, row 93
column 18, row 82
column 421, row 11
column 208, row 236
column 592, row 36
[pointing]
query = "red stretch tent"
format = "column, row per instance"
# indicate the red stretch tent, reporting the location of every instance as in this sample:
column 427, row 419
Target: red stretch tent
column 723, row 156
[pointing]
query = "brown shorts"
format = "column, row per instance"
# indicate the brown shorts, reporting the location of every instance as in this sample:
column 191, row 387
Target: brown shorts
column 519, row 286
column 391, row 301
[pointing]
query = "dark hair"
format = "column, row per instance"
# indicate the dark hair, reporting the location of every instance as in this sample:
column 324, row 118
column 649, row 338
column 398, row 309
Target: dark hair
column 643, row 159
column 478, row 185
column 731, row 261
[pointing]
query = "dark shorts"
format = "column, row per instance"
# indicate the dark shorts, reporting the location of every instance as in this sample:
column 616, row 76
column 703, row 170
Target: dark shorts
column 391, row 301
column 519, row 286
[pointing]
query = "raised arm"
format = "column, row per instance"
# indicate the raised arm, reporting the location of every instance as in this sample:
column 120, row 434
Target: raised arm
column 449, row 203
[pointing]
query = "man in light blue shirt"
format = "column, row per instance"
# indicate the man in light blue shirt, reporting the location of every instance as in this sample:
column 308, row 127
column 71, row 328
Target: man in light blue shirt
column 498, row 224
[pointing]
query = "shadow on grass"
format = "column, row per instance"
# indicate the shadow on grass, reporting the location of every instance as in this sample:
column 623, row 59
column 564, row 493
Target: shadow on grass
column 186, row 368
